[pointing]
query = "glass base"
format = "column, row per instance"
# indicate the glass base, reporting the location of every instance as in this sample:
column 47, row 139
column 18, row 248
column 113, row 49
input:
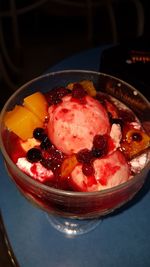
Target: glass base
column 73, row 227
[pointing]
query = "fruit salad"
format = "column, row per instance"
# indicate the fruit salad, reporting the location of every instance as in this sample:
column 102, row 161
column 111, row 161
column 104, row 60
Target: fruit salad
column 76, row 138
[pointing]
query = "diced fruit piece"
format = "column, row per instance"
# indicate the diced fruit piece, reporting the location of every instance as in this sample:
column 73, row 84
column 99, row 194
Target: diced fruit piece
column 68, row 165
column 135, row 142
column 22, row 122
column 87, row 85
column 70, row 86
column 28, row 144
column 37, row 104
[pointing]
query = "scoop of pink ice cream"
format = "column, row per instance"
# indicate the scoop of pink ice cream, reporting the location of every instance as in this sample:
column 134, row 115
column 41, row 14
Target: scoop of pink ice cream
column 73, row 124
column 109, row 171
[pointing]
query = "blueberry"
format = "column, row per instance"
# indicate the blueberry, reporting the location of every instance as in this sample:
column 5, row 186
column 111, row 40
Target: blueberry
column 39, row 134
column 34, row 155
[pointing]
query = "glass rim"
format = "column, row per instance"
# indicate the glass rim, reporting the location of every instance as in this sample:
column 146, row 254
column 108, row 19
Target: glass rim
column 53, row 190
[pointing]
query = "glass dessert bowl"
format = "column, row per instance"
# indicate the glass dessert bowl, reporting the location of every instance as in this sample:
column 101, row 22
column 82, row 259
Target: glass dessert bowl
column 76, row 207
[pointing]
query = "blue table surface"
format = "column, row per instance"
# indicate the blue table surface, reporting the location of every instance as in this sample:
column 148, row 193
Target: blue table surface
column 120, row 240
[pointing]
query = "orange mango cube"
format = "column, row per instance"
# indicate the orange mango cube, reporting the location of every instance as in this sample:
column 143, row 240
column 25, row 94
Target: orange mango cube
column 37, row 104
column 88, row 86
column 68, row 165
column 29, row 143
column 22, row 122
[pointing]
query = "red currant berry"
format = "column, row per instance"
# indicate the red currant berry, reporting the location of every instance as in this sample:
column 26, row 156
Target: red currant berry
column 88, row 169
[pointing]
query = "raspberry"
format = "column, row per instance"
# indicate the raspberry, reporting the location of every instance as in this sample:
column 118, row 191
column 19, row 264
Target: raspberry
column 55, row 96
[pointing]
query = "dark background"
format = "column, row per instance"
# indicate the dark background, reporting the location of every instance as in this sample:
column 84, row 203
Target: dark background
column 35, row 39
